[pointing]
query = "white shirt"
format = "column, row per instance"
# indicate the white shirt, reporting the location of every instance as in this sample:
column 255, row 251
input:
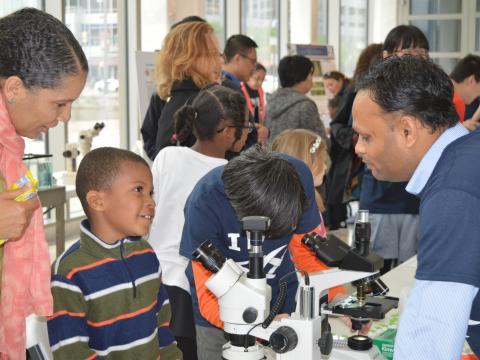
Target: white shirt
column 176, row 170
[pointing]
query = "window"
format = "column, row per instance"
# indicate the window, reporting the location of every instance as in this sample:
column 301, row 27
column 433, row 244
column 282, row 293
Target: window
column 353, row 33
column 320, row 25
column 38, row 145
column 158, row 16
column 94, row 23
column 426, row 7
column 477, row 27
column 261, row 24
column 442, row 21
column 442, row 35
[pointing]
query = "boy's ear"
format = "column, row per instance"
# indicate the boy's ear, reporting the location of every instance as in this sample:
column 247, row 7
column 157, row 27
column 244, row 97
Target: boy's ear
column 96, row 200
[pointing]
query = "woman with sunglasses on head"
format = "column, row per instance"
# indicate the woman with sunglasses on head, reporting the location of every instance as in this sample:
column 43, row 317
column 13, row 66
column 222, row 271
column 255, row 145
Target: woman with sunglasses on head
column 188, row 61
column 218, row 118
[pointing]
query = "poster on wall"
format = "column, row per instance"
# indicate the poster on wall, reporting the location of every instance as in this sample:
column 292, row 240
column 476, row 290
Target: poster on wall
column 323, row 60
column 146, row 79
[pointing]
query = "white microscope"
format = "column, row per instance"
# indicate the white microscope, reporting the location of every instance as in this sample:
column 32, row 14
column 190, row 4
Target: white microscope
column 244, row 298
column 74, row 150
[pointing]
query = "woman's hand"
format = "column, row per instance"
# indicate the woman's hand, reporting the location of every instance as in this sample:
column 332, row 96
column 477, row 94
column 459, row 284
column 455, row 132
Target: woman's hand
column 15, row 216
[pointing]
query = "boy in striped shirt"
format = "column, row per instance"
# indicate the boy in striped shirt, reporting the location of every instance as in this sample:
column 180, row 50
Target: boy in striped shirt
column 108, row 299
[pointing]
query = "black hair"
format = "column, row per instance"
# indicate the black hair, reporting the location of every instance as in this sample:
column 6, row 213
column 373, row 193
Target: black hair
column 39, row 49
column 262, row 183
column 414, row 86
column 210, row 107
column 188, row 19
column 405, row 37
column 469, row 65
column 293, row 69
column 99, row 169
column 237, row 44
column 259, row 67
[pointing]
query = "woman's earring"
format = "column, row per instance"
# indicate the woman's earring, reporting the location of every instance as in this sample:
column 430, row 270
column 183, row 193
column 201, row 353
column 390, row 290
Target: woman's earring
column 11, row 101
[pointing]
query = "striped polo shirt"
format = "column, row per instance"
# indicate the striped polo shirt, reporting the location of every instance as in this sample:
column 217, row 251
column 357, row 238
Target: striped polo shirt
column 109, row 302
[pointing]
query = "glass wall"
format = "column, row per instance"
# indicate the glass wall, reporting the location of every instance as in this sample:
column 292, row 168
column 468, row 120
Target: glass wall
column 38, row 145
column 353, row 33
column 320, row 24
column 477, row 27
column 441, row 21
column 95, row 24
column 424, row 7
column 158, row 16
column 442, row 35
column 260, row 22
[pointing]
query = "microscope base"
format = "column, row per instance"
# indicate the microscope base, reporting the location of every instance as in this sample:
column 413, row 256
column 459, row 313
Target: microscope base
column 231, row 352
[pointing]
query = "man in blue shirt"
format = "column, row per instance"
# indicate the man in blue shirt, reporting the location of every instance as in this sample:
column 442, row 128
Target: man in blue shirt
column 408, row 130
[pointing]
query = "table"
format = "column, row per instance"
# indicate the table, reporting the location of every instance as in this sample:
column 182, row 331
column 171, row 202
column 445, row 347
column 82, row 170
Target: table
column 56, row 197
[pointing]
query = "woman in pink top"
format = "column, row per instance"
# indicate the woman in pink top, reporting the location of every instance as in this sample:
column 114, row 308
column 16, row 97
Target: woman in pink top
column 42, row 71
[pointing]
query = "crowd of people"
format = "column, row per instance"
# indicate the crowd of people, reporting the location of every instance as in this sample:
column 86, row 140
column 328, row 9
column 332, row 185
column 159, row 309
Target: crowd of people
column 402, row 141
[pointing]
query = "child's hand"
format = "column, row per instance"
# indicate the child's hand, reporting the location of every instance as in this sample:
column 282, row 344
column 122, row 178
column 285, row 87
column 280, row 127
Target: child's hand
column 365, row 327
column 15, row 216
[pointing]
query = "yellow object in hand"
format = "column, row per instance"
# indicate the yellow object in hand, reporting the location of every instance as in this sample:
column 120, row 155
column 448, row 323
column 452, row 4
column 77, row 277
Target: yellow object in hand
column 30, row 193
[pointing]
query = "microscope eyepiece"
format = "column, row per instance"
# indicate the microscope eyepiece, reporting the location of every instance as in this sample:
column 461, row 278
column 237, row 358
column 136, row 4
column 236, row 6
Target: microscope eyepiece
column 210, row 257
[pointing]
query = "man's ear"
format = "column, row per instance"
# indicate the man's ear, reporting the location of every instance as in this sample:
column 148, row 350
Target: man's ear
column 14, row 89
column 96, row 200
column 408, row 127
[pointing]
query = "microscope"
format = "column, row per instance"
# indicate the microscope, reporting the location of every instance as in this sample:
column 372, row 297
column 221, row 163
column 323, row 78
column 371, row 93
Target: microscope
column 74, row 150
column 244, row 298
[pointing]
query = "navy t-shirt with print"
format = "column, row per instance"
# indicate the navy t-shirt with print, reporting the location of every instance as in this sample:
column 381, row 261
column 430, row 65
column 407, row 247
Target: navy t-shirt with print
column 209, row 215
column 449, row 246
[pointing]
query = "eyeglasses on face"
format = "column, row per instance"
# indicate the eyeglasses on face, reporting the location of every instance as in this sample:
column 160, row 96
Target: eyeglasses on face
column 253, row 61
column 249, row 127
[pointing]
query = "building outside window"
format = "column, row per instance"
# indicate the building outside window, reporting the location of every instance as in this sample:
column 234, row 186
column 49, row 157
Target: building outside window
column 260, row 21
column 94, row 23
column 353, row 33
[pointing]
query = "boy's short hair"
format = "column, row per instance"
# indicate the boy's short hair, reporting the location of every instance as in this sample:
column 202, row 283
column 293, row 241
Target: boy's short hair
column 469, row 65
column 99, row 169
column 237, row 44
column 262, row 183
column 293, row 69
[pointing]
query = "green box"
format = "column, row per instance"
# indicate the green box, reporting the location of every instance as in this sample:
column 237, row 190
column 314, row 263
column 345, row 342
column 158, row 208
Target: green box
column 385, row 342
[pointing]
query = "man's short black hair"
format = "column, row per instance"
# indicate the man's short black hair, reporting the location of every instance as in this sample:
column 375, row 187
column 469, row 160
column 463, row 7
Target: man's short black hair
column 99, row 169
column 262, row 183
column 413, row 86
column 469, row 65
column 237, row 44
column 405, row 37
column 293, row 69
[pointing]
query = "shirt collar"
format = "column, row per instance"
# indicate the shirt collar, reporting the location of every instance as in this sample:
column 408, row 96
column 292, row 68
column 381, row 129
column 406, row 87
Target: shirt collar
column 429, row 161
column 85, row 228
column 231, row 77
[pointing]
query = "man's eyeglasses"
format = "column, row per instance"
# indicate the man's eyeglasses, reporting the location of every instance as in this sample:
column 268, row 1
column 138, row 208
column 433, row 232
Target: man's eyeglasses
column 253, row 61
column 250, row 127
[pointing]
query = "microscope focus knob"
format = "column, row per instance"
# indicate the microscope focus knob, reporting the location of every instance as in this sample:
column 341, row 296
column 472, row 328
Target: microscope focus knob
column 249, row 315
column 325, row 343
column 283, row 339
